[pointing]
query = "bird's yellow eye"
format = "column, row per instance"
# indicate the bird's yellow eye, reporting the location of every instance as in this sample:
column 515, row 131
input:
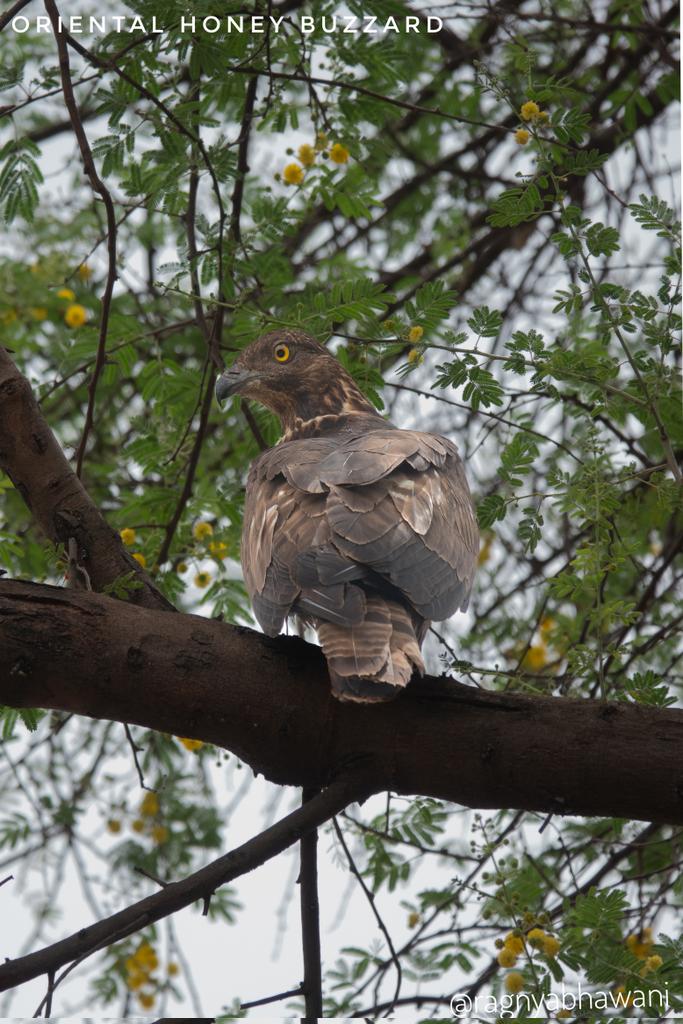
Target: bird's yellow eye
column 281, row 353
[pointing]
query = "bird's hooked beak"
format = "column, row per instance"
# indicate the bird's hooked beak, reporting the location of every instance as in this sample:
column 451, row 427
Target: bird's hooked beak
column 232, row 381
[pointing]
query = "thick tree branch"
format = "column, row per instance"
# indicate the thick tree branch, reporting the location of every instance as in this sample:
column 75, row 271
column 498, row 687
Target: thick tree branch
column 268, row 701
column 200, row 885
column 38, row 468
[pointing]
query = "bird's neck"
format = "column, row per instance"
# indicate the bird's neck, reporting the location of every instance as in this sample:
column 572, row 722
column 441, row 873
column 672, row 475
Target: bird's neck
column 316, row 411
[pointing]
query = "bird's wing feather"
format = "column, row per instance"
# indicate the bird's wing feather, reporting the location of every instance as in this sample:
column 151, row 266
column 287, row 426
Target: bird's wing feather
column 413, row 524
column 323, row 512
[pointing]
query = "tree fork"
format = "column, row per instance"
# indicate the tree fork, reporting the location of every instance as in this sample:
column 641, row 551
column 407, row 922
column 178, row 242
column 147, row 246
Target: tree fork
column 268, row 701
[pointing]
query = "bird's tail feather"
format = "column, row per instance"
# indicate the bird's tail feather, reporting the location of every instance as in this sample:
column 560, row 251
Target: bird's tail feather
column 373, row 660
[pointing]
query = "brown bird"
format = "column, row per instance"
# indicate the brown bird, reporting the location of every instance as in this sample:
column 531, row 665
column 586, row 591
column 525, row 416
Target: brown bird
column 362, row 530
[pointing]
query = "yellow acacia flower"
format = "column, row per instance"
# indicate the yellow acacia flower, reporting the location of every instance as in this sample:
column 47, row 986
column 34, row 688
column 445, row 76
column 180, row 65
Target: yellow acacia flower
column 514, row 982
column 84, row 272
column 320, row 141
column 551, row 946
column 546, row 626
column 415, row 333
column 415, row 357
column 514, row 943
column 135, row 980
column 8, row 316
column 653, row 963
column 536, row 937
column 191, row 744
column 172, row 969
column 535, row 659
column 75, row 315
column 414, row 919
column 138, row 825
column 218, row 548
column 146, row 1000
column 127, row 535
column 529, row 111
column 66, row 293
column 38, row 312
column 145, row 955
column 150, row 805
column 114, row 825
column 507, row 957
column 640, row 944
column 140, row 558
column 159, row 834
column 293, row 174
column 522, row 136
column 202, row 530
column 339, row 154
column 306, row 154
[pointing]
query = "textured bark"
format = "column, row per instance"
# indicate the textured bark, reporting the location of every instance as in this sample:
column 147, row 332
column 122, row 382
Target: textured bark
column 38, row 468
column 268, row 702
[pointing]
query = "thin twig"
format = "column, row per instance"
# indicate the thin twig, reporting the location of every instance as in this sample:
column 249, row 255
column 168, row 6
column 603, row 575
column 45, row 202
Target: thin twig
column 100, row 189
column 370, row 896
column 272, row 999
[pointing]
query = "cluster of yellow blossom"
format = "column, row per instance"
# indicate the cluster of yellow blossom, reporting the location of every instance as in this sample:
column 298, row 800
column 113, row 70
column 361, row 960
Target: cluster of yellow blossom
column 140, row 977
column 538, row 655
column 640, row 945
column 128, row 536
column 149, row 810
column 531, row 113
column 294, row 173
column 415, row 333
column 218, row 549
column 514, row 944
column 75, row 315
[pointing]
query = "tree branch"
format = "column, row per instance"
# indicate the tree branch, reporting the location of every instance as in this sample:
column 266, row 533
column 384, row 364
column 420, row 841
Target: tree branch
column 269, row 702
column 200, row 885
column 310, row 919
column 38, row 468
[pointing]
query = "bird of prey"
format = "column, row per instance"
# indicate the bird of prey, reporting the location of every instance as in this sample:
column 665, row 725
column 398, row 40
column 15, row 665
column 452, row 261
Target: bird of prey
column 362, row 530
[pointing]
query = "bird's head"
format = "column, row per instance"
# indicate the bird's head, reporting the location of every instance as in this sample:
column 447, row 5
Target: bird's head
column 295, row 377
